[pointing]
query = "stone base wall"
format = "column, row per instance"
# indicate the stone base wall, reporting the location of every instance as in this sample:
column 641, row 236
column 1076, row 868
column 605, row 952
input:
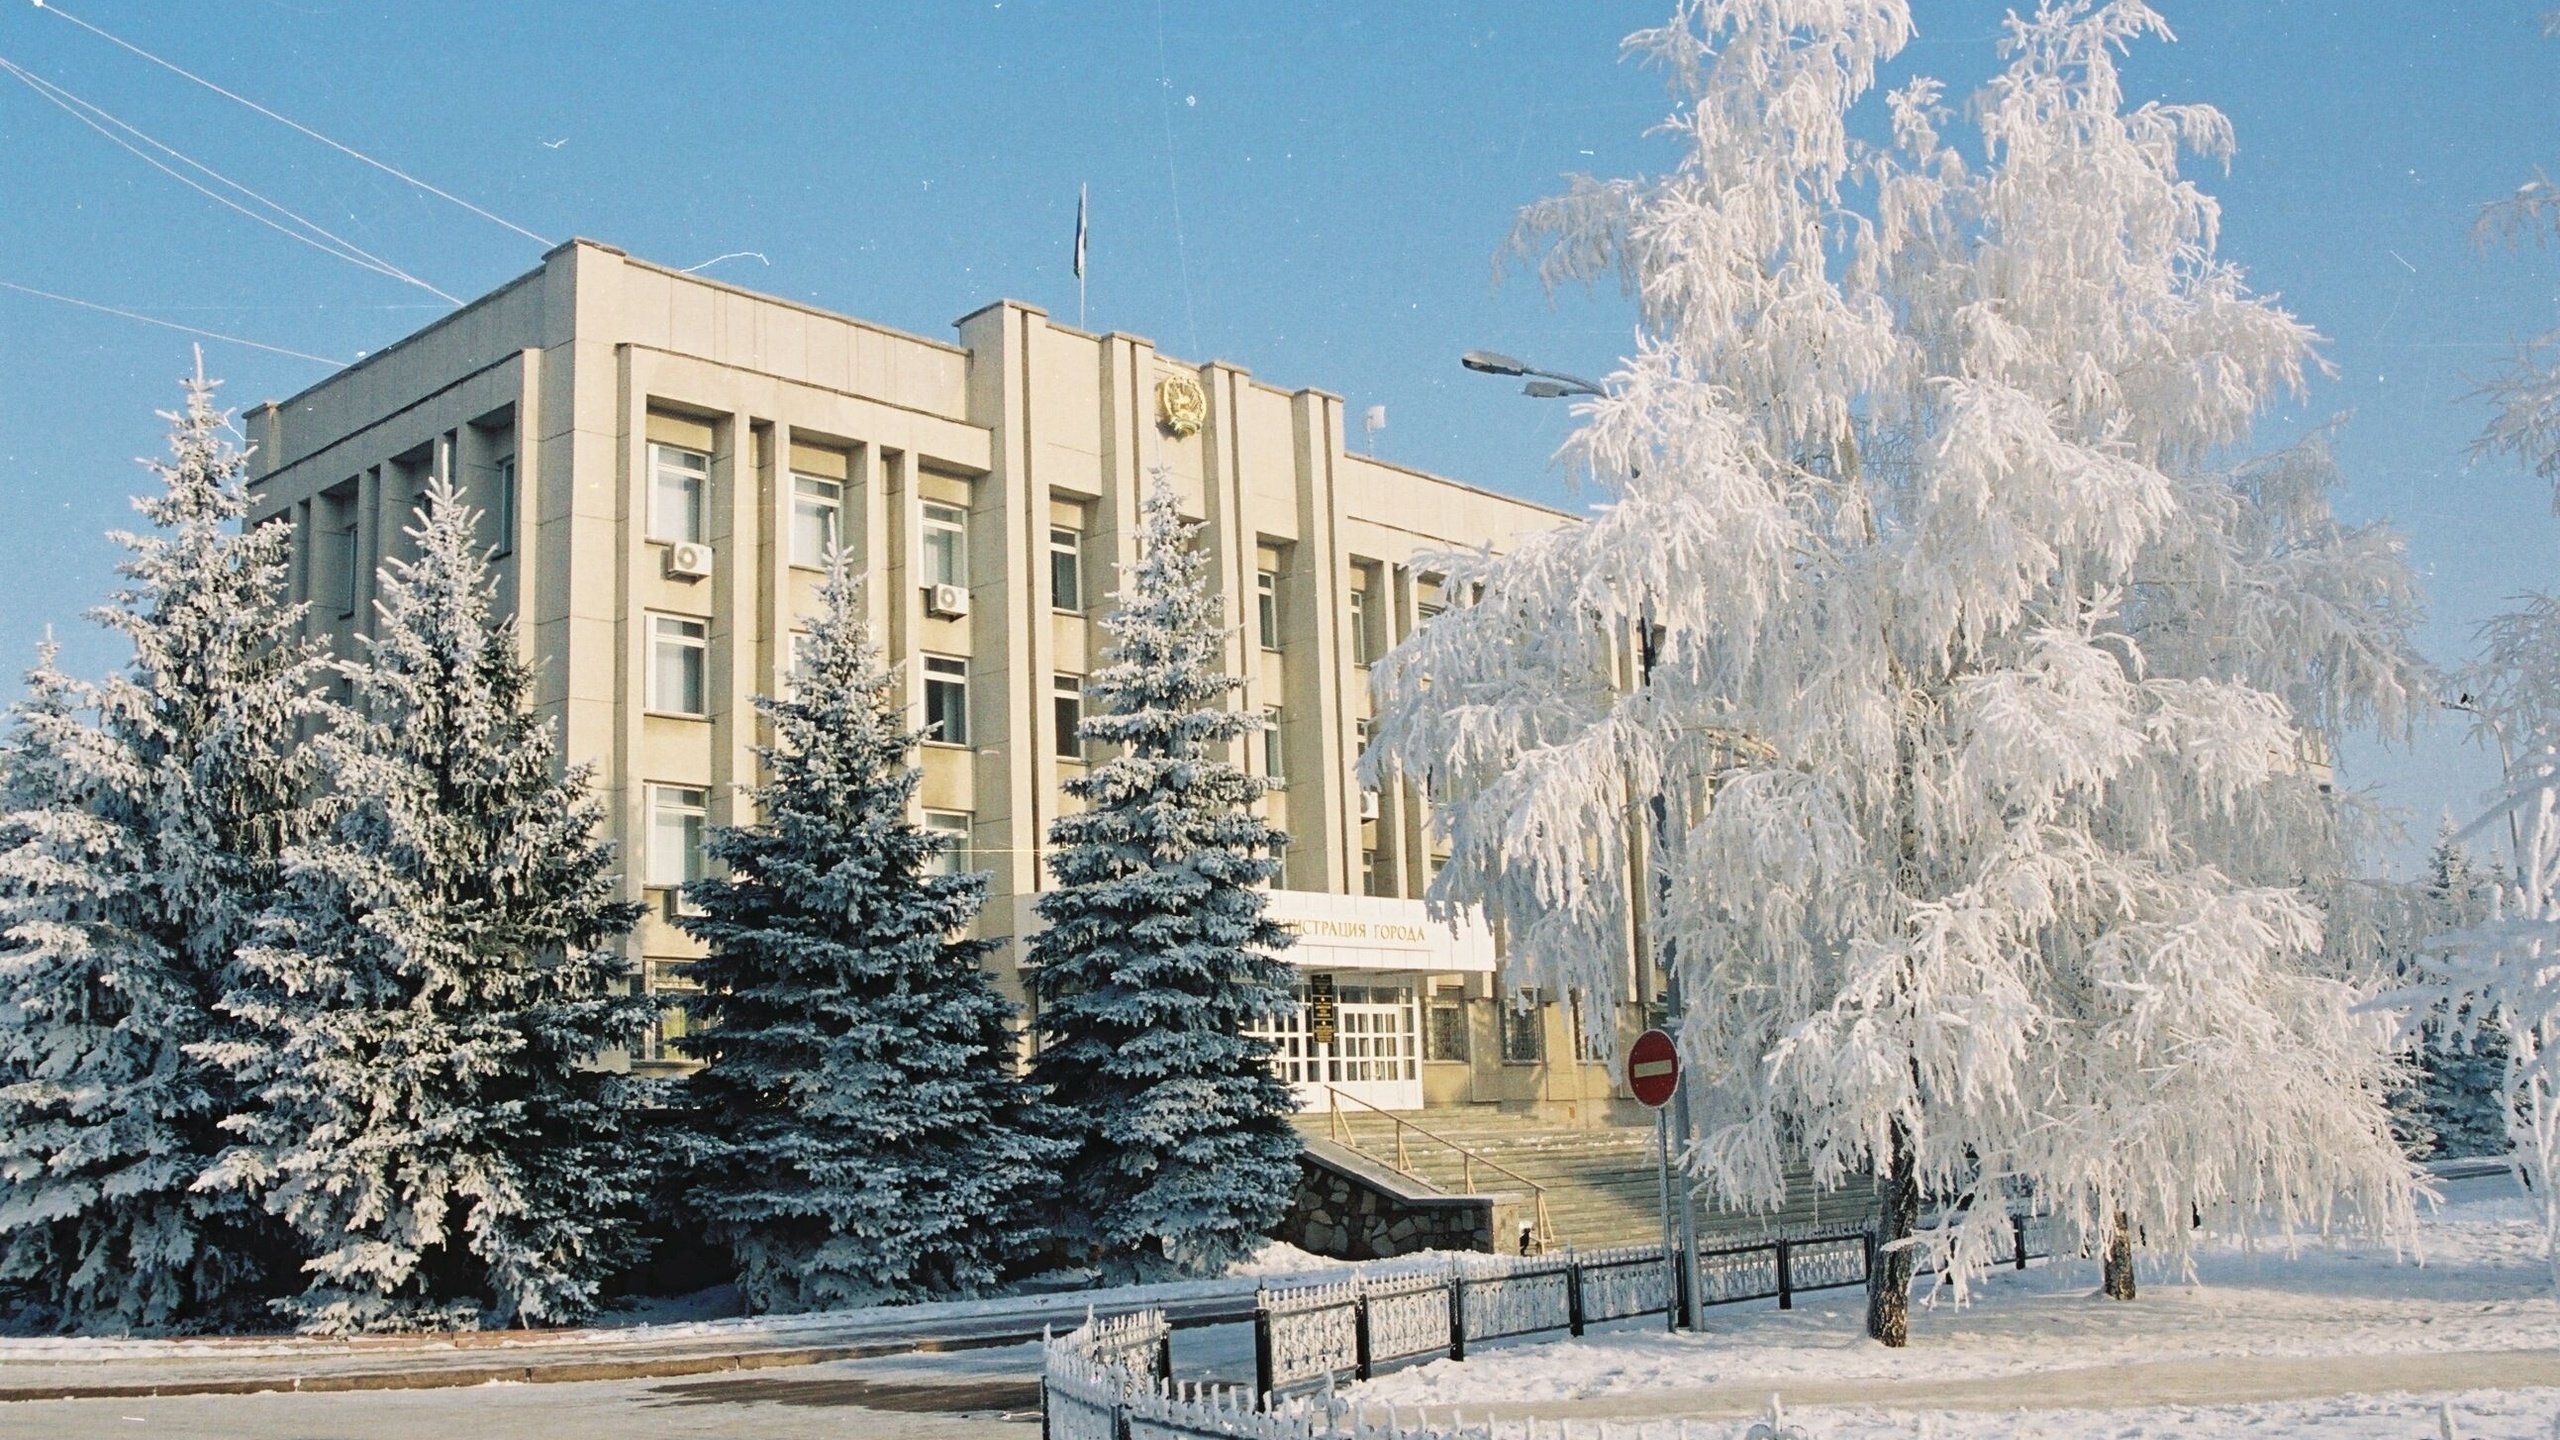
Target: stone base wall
column 1357, row 1213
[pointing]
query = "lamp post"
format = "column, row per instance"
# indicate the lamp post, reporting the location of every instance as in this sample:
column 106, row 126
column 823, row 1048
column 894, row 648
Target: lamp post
column 1554, row 385
column 2506, row 771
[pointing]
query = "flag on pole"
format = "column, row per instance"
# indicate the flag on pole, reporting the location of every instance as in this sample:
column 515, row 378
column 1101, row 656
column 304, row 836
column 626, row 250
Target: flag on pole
column 1080, row 232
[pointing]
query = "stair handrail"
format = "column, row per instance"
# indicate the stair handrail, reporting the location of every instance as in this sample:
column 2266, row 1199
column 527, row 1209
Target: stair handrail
column 1545, row 1231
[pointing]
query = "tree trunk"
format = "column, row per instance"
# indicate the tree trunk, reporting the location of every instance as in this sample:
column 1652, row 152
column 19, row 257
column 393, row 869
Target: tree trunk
column 2119, row 1282
column 1897, row 1216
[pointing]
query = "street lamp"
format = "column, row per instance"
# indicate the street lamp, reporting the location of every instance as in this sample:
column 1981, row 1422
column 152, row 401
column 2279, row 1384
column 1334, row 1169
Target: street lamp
column 2506, row 766
column 1548, row 384
column 1555, row 385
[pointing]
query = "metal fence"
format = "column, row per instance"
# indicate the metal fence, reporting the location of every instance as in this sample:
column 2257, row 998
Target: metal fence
column 1307, row 1338
column 1094, row 1388
column 1112, row 1379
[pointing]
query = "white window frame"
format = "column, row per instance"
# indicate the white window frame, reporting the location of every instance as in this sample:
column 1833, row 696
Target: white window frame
column 677, row 803
column 1361, row 654
column 664, row 466
column 502, row 503
column 679, row 632
column 950, row 671
column 1275, row 760
column 827, row 508
column 1266, row 607
column 1064, row 691
column 944, row 534
column 956, row 827
column 1066, row 555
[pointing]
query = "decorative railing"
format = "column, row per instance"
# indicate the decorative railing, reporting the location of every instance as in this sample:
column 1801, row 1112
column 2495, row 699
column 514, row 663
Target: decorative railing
column 1112, row 1379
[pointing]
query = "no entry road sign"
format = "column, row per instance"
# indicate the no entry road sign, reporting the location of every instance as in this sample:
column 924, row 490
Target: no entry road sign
column 1653, row 1069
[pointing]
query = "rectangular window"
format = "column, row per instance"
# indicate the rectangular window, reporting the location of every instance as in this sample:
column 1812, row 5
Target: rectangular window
column 676, row 820
column 350, row 565
column 951, row 827
column 678, row 480
column 1375, row 876
column 795, row 644
column 679, row 665
column 946, row 545
column 946, row 700
column 1066, row 569
column 1581, row 1030
column 1066, row 700
column 1274, row 760
column 817, row 520
column 1524, row 1031
column 1266, row 599
column 1444, row 1035
column 1360, row 651
column 502, row 504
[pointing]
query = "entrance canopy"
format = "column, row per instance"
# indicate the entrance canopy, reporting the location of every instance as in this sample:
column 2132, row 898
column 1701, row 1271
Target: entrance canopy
column 1368, row 932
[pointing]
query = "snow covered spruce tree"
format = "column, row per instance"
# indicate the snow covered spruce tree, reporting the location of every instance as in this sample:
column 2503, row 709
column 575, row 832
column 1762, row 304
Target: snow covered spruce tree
column 145, row 817
column 865, row 1134
column 1986, row 713
column 428, row 994
column 1157, row 952
column 2453, row 1105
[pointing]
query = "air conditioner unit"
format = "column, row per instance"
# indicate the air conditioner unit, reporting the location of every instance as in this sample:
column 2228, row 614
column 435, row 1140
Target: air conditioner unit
column 688, row 560
column 1368, row 804
column 946, row 602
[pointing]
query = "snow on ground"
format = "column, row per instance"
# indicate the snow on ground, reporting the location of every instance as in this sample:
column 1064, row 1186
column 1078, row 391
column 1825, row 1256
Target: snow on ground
column 2474, row 1415
column 2479, row 1283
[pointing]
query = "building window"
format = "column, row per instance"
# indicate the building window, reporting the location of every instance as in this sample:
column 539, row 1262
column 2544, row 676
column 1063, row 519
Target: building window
column 1066, row 569
column 679, row 665
column 1066, row 701
column 678, row 480
column 350, row 564
column 502, row 504
column 1361, row 654
column 676, row 820
column 1581, row 1030
column 951, row 827
column 817, row 520
column 1377, row 877
column 1444, row 1032
column 946, row 700
column 1266, row 599
column 1524, row 1031
column 946, row 545
column 1274, row 754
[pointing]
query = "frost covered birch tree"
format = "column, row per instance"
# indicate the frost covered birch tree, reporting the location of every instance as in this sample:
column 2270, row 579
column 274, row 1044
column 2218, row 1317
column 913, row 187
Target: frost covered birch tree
column 146, row 814
column 430, row 990
column 865, row 1133
column 2504, row 976
column 1986, row 693
column 1157, row 954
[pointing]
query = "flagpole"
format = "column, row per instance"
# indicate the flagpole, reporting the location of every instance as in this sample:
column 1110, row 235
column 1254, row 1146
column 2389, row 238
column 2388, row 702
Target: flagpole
column 1080, row 199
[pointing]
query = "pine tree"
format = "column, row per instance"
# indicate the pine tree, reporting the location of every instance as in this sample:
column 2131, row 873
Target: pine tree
column 433, row 984
column 2454, row 1105
column 145, row 817
column 1987, row 708
column 1157, row 952
column 865, row 1134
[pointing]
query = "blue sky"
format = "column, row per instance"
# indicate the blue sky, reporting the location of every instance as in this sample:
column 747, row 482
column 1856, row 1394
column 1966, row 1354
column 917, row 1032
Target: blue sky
column 1314, row 191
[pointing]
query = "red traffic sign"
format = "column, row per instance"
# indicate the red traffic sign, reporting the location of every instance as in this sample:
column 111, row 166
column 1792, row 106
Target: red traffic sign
column 1653, row 1069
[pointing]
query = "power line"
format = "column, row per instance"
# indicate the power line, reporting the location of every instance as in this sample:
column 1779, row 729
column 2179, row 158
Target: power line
column 343, row 249
column 348, row 150
column 168, row 324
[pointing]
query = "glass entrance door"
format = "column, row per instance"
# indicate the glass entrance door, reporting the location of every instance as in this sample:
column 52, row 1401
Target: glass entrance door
column 1376, row 1050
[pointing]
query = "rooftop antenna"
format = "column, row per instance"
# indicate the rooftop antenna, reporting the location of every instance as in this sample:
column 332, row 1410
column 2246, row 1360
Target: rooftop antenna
column 1373, row 420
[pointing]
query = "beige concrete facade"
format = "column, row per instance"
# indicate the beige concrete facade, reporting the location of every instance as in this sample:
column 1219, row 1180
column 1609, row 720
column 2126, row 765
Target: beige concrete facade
column 661, row 456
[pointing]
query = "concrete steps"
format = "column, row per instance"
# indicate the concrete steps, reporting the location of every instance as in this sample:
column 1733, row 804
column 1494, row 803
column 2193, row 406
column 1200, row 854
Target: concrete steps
column 1600, row 1182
